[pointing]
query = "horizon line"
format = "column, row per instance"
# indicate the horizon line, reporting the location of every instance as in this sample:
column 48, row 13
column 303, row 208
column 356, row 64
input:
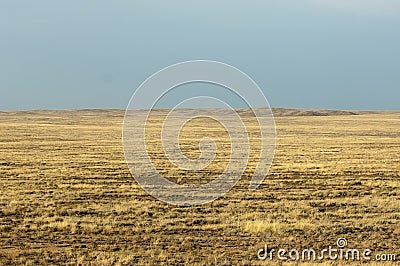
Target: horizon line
column 162, row 108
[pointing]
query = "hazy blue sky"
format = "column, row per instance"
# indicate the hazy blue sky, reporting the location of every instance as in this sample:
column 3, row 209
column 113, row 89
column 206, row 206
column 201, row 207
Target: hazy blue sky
column 338, row 54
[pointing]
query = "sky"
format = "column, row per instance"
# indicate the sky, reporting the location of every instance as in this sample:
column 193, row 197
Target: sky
column 320, row 54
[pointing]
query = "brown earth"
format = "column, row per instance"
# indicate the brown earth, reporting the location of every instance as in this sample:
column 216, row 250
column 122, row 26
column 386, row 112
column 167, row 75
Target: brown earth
column 67, row 196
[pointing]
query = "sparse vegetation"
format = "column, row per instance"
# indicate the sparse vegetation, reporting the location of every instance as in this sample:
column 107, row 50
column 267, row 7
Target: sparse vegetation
column 67, row 196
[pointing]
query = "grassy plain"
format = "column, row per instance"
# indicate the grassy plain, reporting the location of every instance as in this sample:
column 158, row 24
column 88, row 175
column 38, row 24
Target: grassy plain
column 67, row 196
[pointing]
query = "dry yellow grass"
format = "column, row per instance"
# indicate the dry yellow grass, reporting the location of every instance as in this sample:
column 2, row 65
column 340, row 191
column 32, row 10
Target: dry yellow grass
column 67, row 196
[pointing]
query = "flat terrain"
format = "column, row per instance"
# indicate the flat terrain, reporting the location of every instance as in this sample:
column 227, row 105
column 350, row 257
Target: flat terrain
column 67, row 196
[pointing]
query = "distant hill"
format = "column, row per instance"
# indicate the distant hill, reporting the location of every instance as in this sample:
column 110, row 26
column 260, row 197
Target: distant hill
column 278, row 112
column 304, row 112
